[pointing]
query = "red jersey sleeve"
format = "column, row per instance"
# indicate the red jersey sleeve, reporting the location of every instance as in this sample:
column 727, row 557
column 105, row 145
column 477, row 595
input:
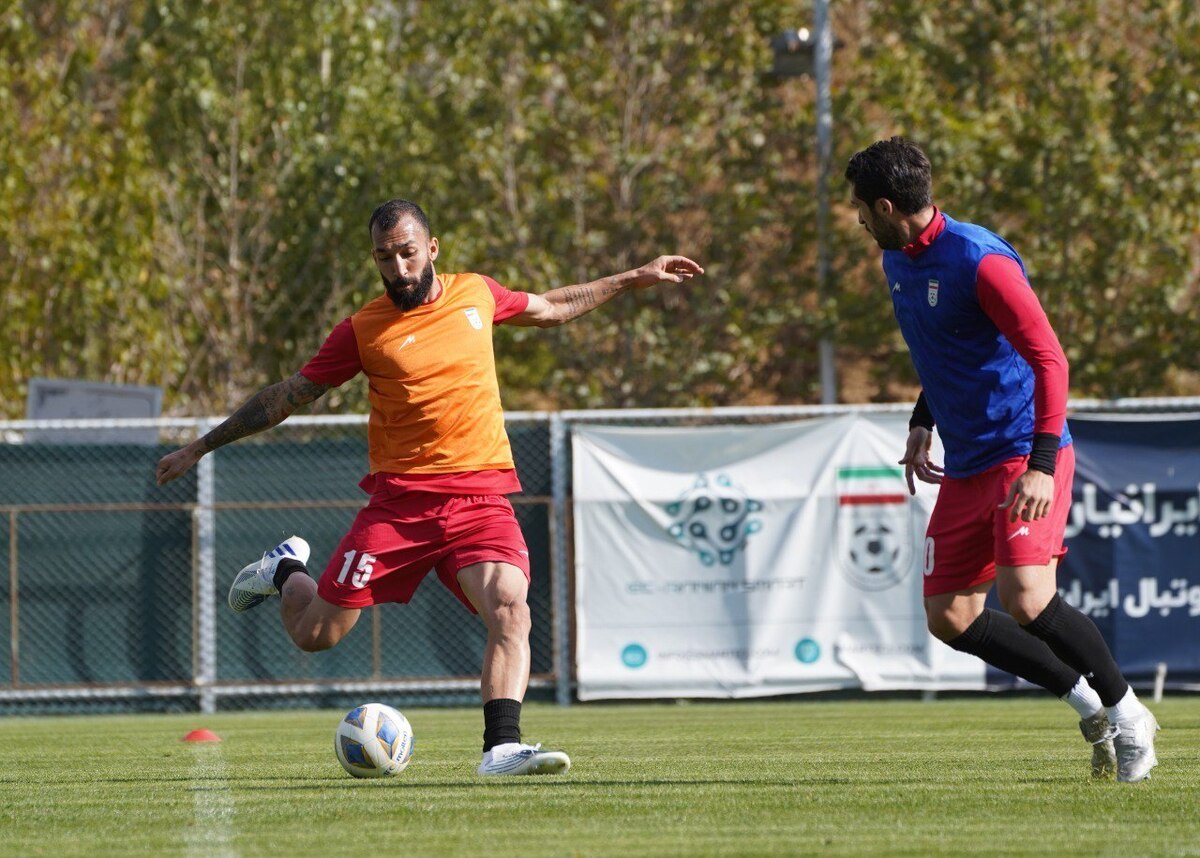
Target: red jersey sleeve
column 508, row 302
column 337, row 361
column 1006, row 298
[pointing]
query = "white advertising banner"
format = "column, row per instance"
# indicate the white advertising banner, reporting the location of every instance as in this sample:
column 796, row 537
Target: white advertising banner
column 750, row 561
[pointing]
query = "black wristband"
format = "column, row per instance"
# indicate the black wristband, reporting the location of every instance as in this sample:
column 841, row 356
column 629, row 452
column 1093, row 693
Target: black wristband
column 921, row 415
column 1044, row 454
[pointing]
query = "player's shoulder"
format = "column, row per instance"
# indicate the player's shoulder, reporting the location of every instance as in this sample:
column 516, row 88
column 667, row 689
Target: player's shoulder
column 375, row 307
column 461, row 279
column 973, row 236
column 471, row 283
column 372, row 318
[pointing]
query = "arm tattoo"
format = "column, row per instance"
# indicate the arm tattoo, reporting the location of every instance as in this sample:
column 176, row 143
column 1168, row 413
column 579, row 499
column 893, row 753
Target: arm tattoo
column 579, row 299
column 267, row 408
column 301, row 391
column 582, row 299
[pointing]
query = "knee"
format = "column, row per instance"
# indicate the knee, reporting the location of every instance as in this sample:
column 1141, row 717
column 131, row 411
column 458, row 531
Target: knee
column 313, row 645
column 942, row 627
column 316, row 640
column 946, row 624
column 1024, row 607
column 511, row 619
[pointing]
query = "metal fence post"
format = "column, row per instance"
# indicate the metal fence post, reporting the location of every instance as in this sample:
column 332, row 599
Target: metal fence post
column 14, row 603
column 206, row 535
column 559, row 561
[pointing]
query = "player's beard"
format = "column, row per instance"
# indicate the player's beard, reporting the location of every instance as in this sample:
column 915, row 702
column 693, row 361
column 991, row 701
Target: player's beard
column 409, row 293
column 887, row 236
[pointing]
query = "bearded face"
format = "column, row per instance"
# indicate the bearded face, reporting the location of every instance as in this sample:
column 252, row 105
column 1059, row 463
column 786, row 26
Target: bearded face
column 886, row 234
column 404, row 254
column 407, row 293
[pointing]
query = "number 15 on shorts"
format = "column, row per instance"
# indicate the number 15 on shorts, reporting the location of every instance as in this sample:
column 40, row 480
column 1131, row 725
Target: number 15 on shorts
column 362, row 573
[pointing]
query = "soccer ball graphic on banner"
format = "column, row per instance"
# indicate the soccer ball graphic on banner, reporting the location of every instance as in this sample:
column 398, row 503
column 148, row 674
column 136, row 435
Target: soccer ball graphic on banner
column 373, row 741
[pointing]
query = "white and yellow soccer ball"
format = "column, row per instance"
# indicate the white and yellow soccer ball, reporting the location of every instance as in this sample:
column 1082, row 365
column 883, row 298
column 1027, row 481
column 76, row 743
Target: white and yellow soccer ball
column 373, row 741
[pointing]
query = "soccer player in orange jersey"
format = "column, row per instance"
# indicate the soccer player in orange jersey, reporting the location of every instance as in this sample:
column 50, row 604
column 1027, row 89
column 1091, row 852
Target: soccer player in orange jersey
column 440, row 463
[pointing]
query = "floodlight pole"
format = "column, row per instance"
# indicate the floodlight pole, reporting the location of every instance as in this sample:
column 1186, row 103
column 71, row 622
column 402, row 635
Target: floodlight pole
column 822, row 63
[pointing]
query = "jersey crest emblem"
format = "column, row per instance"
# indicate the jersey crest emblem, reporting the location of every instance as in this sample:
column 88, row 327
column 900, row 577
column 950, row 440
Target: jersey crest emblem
column 933, row 290
column 473, row 318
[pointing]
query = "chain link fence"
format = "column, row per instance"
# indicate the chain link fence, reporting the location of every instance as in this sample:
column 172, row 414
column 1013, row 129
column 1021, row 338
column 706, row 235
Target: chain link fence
column 112, row 589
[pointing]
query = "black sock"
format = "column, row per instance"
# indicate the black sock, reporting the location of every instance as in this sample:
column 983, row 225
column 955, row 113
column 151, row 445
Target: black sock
column 1076, row 640
column 999, row 640
column 501, row 722
column 284, row 570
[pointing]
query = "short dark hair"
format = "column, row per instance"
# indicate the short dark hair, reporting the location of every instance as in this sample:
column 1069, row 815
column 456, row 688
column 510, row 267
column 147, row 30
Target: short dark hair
column 390, row 213
column 894, row 169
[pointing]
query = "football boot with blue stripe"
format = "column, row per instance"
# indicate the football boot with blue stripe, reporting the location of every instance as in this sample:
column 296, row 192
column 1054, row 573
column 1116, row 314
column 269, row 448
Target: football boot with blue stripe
column 256, row 583
column 514, row 758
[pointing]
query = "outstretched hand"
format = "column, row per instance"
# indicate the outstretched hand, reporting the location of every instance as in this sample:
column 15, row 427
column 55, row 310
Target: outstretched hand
column 916, row 459
column 666, row 269
column 174, row 465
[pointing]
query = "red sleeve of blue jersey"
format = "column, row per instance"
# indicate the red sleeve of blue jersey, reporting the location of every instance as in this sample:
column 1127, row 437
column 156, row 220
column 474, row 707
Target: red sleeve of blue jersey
column 508, row 302
column 1007, row 299
column 338, row 361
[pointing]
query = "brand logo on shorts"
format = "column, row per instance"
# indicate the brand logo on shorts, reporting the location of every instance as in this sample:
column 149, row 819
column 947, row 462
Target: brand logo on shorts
column 1020, row 531
column 473, row 318
column 933, row 290
column 895, row 287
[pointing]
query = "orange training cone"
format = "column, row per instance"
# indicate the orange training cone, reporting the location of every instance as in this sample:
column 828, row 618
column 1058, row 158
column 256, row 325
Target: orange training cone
column 201, row 736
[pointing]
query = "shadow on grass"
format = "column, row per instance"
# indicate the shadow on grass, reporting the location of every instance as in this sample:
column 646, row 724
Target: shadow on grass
column 539, row 783
column 284, row 782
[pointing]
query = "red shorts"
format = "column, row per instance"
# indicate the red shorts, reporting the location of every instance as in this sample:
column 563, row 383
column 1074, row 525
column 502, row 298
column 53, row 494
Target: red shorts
column 969, row 535
column 398, row 537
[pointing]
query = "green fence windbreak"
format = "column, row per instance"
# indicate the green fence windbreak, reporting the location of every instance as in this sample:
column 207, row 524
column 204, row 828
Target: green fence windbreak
column 107, row 567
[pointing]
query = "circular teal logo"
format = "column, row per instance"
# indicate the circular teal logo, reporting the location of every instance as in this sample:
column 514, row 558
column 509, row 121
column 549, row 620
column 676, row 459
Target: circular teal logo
column 807, row 650
column 634, row 655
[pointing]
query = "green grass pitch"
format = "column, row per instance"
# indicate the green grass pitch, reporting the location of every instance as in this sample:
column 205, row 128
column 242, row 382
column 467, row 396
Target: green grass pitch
column 994, row 776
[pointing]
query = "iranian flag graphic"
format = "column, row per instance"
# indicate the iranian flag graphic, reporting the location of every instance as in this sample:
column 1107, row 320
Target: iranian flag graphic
column 874, row 486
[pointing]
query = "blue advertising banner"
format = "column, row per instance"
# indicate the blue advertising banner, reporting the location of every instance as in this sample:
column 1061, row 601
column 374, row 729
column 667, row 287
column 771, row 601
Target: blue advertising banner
column 1133, row 538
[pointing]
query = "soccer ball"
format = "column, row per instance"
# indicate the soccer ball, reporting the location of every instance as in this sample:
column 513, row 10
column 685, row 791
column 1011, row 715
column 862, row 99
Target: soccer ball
column 373, row 741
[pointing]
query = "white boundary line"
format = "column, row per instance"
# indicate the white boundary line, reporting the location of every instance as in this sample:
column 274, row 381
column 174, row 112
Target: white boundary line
column 213, row 804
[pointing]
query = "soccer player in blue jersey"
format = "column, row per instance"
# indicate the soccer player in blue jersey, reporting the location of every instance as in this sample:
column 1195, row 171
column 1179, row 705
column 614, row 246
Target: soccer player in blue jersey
column 994, row 382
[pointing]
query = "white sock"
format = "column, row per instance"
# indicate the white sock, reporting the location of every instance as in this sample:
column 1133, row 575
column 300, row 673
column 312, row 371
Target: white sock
column 1083, row 699
column 1127, row 707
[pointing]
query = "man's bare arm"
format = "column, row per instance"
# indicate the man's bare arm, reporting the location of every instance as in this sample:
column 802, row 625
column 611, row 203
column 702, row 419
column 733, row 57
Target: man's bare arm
column 570, row 302
column 269, row 407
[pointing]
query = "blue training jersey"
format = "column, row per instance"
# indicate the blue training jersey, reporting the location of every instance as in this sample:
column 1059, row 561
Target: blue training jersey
column 979, row 389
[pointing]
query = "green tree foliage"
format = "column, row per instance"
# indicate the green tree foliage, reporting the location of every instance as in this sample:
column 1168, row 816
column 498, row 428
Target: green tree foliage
column 186, row 184
column 1070, row 127
column 80, row 295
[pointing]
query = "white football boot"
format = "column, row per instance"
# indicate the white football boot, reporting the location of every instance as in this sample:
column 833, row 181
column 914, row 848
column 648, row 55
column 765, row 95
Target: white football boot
column 256, row 582
column 513, row 758
column 1134, row 743
column 1099, row 734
